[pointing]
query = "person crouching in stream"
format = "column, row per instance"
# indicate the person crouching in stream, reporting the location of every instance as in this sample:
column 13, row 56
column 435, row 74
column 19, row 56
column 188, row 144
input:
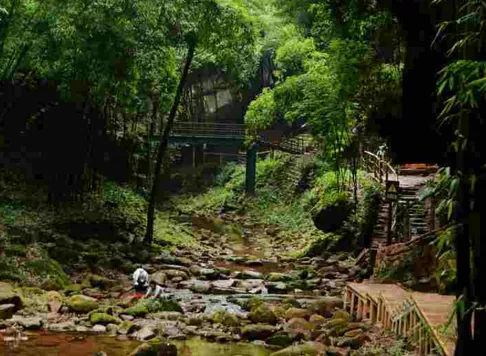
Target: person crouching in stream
column 140, row 281
column 154, row 291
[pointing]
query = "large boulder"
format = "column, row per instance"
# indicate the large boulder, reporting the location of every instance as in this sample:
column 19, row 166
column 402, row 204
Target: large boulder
column 307, row 349
column 82, row 304
column 257, row 332
column 103, row 319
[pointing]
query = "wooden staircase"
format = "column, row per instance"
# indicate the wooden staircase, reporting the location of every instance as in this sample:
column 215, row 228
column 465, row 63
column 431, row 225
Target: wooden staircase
column 421, row 317
column 409, row 216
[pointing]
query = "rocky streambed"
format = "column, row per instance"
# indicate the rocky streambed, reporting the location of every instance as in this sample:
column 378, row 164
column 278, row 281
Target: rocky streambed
column 220, row 298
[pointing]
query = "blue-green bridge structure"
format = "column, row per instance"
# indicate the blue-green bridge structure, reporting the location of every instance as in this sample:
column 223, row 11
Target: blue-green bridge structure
column 199, row 133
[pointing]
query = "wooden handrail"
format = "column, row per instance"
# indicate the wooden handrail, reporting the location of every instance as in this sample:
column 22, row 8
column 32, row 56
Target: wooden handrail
column 380, row 160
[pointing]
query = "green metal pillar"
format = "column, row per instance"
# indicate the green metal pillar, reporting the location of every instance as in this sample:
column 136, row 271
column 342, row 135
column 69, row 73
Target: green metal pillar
column 251, row 157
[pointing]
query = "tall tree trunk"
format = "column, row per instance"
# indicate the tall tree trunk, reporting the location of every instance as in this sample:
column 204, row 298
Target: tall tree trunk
column 164, row 142
column 151, row 133
column 463, row 254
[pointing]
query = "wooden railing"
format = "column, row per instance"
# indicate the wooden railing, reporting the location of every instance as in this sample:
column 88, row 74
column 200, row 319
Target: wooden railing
column 191, row 129
column 294, row 145
column 380, row 169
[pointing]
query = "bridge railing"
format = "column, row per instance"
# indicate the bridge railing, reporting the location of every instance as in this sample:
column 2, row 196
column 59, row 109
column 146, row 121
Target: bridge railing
column 208, row 129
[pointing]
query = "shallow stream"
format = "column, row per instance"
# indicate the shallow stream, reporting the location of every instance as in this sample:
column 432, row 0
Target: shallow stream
column 44, row 344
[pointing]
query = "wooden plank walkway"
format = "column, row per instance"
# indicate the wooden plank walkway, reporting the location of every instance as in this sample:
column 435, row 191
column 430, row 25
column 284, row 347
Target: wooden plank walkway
column 419, row 316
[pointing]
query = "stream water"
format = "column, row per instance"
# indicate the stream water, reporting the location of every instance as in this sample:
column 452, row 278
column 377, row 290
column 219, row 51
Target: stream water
column 40, row 344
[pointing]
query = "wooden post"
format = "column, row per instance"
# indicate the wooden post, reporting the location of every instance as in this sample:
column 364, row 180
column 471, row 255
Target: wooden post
column 351, row 309
column 360, row 309
column 389, row 224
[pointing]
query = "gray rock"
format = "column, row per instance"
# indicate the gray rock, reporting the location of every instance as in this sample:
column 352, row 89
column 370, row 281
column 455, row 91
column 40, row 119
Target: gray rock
column 81, row 329
column 197, row 286
column 7, row 310
column 111, row 329
column 249, row 275
column 167, row 315
column 127, row 317
column 30, row 323
column 169, row 328
column 249, row 284
column 146, row 333
column 59, row 327
column 223, row 284
column 257, row 331
column 277, row 287
column 254, row 263
column 99, row 328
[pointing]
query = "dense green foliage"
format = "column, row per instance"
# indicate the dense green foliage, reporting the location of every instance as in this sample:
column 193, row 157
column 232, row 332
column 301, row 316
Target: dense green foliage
column 327, row 75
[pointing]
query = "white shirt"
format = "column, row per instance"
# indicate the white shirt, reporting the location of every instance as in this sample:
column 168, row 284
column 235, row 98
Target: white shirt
column 154, row 293
column 142, row 275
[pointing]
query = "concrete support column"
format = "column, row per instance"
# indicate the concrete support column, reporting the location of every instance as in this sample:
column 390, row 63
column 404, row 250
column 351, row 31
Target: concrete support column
column 251, row 157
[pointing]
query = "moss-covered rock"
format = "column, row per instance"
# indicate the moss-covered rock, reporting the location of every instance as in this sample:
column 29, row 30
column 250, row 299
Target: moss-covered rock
column 341, row 314
column 298, row 328
column 103, row 319
column 125, row 328
column 262, row 314
column 155, row 349
column 257, row 332
column 82, row 304
column 226, row 319
column 279, row 277
column 54, row 296
column 163, row 305
column 281, row 339
column 138, row 310
column 297, row 313
column 307, row 349
column 74, row 288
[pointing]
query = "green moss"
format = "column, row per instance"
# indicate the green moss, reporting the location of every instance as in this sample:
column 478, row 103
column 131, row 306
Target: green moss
column 103, row 319
column 138, row 310
column 74, row 288
column 82, row 304
column 226, row 319
column 163, row 305
column 280, row 339
column 262, row 314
